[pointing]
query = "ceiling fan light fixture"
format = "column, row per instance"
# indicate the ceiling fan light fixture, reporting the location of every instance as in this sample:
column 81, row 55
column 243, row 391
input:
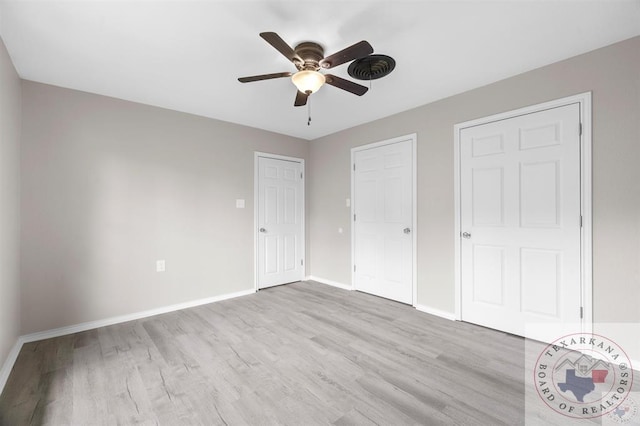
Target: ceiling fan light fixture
column 308, row 81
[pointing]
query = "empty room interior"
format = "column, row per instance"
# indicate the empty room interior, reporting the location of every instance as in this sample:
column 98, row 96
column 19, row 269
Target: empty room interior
column 309, row 213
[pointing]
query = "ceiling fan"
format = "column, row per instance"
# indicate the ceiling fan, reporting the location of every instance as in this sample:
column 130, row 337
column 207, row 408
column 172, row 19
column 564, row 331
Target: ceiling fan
column 308, row 58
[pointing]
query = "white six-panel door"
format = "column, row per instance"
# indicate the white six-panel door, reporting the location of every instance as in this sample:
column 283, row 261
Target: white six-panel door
column 520, row 223
column 383, row 208
column 280, row 223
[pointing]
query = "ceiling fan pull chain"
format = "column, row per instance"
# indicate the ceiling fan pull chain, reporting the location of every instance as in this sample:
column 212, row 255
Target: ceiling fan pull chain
column 309, row 111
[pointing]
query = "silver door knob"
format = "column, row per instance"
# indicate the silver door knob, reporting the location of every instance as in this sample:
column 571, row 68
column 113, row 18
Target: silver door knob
column 466, row 235
column 263, row 230
column 407, row 230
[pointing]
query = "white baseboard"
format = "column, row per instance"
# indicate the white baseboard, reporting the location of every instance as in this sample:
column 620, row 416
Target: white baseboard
column 437, row 312
column 63, row 331
column 329, row 282
column 9, row 362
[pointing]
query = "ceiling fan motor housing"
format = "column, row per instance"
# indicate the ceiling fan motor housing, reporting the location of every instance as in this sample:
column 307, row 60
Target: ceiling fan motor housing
column 311, row 53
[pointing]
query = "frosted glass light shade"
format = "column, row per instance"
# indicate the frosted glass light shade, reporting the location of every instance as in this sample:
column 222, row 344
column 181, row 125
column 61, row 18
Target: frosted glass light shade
column 308, row 81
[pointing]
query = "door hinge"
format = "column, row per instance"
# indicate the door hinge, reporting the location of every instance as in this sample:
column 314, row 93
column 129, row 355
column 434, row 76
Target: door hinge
column 300, row 175
column 580, row 221
column 580, row 129
column 354, row 217
column 354, row 167
column 301, row 262
column 581, row 312
column 354, row 268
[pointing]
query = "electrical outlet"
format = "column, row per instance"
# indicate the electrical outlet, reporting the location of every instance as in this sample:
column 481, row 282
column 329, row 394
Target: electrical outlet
column 160, row 266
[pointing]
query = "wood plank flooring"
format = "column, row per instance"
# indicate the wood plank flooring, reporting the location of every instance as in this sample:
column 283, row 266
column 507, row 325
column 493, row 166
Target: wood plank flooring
column 299, row 354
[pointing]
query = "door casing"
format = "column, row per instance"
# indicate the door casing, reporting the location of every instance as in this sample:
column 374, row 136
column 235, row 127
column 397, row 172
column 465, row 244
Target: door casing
column 414, row 229
column 256, row 213
column 586, row 256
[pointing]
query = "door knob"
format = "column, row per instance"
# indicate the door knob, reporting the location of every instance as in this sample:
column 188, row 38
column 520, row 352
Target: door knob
column 263, row 230
column 407, row 230
column 466, row 235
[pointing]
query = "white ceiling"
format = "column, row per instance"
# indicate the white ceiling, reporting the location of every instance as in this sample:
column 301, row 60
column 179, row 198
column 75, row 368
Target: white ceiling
column 186, row 55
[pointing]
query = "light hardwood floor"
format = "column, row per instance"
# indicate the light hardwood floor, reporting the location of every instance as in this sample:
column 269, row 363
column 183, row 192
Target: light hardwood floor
column 299, row 354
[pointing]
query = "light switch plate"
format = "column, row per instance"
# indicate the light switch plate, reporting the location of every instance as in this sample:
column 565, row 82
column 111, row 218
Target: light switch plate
column 161, row 266
column 348, row 202
column 240, row 204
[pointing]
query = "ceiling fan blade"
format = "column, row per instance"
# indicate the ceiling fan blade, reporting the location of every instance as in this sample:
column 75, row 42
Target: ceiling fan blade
column 356, row 51
column 347, row 85
column 281, row 46
column 264, row 77
column 301, row 99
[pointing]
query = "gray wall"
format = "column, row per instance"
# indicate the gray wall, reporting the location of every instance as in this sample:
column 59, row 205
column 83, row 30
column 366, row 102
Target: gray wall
column 611, row 73
column 109, row 187
column 10, row 113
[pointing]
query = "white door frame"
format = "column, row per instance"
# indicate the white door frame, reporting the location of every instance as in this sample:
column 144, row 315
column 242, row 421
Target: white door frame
column 414, row 220
column 256, row 207
column 586, row 249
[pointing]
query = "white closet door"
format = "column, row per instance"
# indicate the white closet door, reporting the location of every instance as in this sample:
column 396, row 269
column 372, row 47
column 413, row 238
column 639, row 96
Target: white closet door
column 520, row 222
column 383, row 202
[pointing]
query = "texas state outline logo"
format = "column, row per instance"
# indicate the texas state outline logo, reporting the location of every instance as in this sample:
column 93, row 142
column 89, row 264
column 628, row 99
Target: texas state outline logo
column 583, row 375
